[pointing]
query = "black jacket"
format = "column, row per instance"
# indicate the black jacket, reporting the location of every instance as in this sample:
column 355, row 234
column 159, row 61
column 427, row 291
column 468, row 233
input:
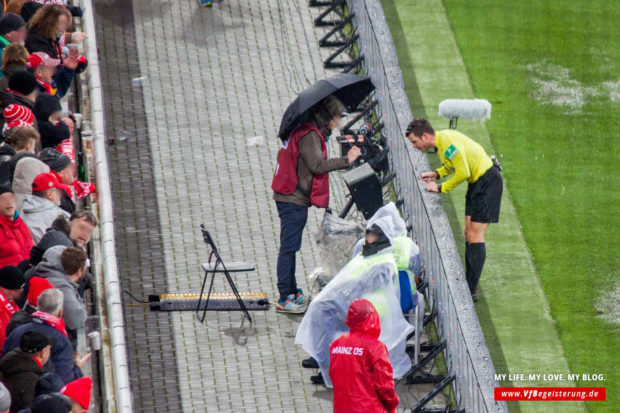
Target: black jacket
column 19, row 373
column 37, row 43
column 6, row 152
column 8, row 98
column 51, row 135
column 63, row 79
column 6, row 156
column 50, row 239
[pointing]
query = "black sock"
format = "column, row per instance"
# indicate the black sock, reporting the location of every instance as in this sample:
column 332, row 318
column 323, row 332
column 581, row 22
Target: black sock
column 467, row 262
column 476, row 254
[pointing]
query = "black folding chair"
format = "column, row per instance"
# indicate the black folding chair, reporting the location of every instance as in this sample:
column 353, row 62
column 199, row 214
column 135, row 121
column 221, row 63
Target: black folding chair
column 216, row 265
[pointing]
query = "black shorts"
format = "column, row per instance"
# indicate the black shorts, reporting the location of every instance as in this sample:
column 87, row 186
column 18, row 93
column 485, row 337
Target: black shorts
column 484, row 197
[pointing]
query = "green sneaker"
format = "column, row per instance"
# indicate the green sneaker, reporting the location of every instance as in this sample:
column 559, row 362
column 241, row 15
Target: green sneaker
column 290, row 306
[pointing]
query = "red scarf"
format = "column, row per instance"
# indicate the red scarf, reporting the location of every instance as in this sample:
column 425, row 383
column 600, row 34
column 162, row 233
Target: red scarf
column 49, row 319
column 49, row 88
column 66, row 146
column 83, row 189
column 7, row 304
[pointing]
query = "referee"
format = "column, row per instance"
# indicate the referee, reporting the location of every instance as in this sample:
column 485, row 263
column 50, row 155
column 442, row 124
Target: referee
column 465, row 160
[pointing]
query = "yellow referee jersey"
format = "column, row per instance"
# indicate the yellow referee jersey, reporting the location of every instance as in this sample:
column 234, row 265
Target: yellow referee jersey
column 460, row 156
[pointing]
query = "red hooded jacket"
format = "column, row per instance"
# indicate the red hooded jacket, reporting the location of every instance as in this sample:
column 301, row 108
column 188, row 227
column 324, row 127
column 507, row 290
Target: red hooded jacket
column 285, row 177
column 15, row 241
column 359, row 365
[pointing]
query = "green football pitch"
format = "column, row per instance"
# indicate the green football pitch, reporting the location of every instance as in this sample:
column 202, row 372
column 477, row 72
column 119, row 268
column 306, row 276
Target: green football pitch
column 551, row 286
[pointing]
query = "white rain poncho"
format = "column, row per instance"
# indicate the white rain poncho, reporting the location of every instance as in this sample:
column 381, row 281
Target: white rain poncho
column 399, row 227
column 406, row 252
column 363, row 277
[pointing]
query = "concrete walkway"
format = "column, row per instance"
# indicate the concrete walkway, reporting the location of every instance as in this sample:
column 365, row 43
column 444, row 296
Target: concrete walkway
column 212, row 79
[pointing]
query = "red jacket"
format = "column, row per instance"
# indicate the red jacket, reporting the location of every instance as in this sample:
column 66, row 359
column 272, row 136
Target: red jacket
column 7, row 309
column 285, row 177
column 15, row 241
column 359, row 365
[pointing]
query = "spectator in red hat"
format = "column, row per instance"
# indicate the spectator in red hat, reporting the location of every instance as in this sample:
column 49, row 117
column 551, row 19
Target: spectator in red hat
column 16, row 115
column 42, row 207
column 78, row 391
column 15, row 237
column 36, row 285
column 15, row 112
column 44, row 68
column 61, row 166
column 53, row 77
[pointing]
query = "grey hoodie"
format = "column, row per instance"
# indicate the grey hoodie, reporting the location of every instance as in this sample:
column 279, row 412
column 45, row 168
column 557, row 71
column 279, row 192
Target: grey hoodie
column 39, row 213
column 74, row 309
column 26, row 170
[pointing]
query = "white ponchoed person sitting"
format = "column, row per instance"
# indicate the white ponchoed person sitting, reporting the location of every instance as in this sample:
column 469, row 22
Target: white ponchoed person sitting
column 406, row 254
column 368, row 275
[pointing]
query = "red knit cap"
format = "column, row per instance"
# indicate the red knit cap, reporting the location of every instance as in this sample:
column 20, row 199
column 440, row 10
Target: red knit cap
column 37, row 286
column 15, row 112
column 38, row 59
column 79, row 390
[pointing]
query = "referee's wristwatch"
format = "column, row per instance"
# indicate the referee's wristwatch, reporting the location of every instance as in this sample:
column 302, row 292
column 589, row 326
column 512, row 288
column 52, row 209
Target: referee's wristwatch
column 439, row 188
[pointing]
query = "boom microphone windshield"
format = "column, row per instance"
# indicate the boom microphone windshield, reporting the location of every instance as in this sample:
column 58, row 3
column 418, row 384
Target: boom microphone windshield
column 471, row 109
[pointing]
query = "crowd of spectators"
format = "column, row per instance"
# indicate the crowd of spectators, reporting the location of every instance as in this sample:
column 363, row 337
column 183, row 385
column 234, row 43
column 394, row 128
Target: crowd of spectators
column 44, row 227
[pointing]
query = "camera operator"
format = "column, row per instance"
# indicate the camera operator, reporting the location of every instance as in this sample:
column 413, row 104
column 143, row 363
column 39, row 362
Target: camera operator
column 301, row 179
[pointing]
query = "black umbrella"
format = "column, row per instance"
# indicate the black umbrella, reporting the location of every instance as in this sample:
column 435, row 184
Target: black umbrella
column 349, row 89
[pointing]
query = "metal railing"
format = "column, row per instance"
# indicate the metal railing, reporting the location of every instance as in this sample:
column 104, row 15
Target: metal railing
column 466, row 354
column 116, row 385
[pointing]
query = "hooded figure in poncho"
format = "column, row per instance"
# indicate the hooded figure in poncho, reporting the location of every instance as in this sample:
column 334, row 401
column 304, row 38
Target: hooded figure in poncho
column 406, row 254
column 369, row 275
